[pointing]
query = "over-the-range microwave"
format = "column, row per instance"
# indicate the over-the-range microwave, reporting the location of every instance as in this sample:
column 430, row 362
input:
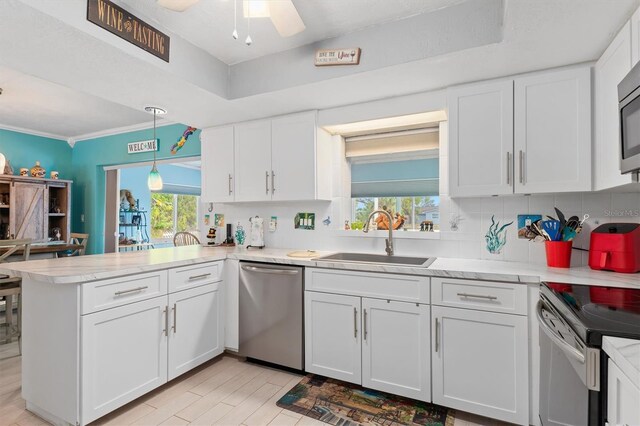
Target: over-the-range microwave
column 629, row 109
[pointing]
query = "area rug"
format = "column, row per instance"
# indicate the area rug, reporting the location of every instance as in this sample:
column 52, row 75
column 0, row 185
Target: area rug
column 345, row 404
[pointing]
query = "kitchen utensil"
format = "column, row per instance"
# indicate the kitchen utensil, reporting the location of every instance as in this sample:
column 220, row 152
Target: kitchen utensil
column 568, row 233
column 552, row 228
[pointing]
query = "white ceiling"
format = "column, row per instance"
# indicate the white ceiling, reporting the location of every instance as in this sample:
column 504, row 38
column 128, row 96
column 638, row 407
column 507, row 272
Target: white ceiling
column 209, row 23
column 75, row 78
column 31, row 103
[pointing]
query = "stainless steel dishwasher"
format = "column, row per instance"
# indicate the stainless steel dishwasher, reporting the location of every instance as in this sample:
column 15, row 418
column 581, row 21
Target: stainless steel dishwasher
column 271, row 315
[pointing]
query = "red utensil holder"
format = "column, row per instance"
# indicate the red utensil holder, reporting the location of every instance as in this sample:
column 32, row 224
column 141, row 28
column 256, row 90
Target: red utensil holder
column 558, row 253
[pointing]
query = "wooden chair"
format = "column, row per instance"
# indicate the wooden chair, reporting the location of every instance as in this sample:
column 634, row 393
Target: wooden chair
column 185, row 239
column 79, row 239
column 11, row 287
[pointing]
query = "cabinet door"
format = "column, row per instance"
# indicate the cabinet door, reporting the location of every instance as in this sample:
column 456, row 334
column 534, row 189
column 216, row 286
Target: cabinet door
column 29, row 209
column 480, row 363
column 396, row 348
column 252, row 161
column 481, row 139
column 635, row 37
column 124, row 355
column 196, row 328
column 553, row 131
column 293, row 157
column 610, row 69
column 622, row 398
column 332, row 336
column 217, row 164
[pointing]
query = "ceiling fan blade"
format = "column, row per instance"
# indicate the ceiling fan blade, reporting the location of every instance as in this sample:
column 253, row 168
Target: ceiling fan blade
column 285, row 17
column 177, row 5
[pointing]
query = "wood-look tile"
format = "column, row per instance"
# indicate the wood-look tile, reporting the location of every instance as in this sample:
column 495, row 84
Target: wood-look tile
column 125, row 415
column 174, row 421
column 211, row 416
column 269, row 410
column 216, row 380
column 241, row 412
column 308, row 421
column 167, row 410
column 249, row 388
column 284, row 420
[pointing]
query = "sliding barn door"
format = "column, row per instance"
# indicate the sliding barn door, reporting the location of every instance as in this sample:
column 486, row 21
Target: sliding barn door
column 29, row 207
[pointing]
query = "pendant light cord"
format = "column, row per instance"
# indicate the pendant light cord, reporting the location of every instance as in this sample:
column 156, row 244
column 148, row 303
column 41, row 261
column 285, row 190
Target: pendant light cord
column 155, row 140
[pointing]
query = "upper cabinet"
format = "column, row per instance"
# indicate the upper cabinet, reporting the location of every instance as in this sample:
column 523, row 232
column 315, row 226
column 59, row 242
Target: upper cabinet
column 481, row 139
column 552, row 140
column 610, row 69
column 635, row 37
column 530, row 134
column 283, row 159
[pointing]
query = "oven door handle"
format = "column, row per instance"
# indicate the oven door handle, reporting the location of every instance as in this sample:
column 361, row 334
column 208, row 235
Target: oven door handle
column 559, row 341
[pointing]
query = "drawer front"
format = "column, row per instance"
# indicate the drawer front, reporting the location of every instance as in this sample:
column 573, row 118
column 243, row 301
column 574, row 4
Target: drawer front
column 480, row 295
column 100, row 295
column 194, row 276
column 368, row 284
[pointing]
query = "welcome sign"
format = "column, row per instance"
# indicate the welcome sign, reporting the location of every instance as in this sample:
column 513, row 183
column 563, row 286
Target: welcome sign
column 142, row 146
column 118, row 21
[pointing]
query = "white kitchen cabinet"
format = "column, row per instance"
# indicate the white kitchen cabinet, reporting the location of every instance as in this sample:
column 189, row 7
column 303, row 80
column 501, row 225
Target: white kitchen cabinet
column 217, row 153
column 332, row 336
column 252, row 161
column 480, row 363
column 396, row 348
column 481, row 139
column 622, row 398
column 552, row 140
column 611, row 68
column 293, row 157
column 232, row 304
column 196, row 332
column 124, row 355
column 635, row 37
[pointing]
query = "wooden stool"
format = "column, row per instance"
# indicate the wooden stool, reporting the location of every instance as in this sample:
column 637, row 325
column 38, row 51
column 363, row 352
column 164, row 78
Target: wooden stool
column 10, row 288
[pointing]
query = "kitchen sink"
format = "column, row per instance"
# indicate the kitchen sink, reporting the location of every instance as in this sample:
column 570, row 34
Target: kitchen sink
column 377, row 258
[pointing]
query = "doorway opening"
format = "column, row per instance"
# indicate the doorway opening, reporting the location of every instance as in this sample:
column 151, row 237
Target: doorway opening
column 137, row 218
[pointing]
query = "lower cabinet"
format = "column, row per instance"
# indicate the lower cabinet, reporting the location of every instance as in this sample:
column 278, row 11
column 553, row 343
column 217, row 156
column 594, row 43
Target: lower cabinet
column 124, row 355
column 480, row 363
column 379, row 344
column 622, row 398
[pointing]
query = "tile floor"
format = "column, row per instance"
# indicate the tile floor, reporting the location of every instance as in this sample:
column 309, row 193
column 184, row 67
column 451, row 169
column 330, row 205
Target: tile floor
column 224, row 391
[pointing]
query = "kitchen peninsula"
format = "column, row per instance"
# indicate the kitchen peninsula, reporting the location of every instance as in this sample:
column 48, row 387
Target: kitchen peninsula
column 123, row 324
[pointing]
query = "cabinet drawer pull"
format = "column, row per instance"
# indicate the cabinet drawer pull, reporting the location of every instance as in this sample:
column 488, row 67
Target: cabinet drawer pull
column 166, row 321
column 437, row 335
column 273, row 182
column 521, row 161
column 131, row 290
column 365, row 324
column 197, row 277
column 230, row 178
column 355, row 323
column 266, row 182
column 175, row 314
column 477, row 296
column 508, row 168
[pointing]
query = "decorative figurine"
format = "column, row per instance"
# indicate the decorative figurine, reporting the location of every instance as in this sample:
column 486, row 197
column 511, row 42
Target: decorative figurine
column 346, row 225
column 496, row 237
column 327, row 221
column 8, row 170
column 126, row 195
column 38, row 171
column 54, row 174
column 454, row 222
column 240, row 234
column 211, row 236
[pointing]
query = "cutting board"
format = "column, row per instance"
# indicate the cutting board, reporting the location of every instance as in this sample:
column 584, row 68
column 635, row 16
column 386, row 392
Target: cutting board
column 304, row 254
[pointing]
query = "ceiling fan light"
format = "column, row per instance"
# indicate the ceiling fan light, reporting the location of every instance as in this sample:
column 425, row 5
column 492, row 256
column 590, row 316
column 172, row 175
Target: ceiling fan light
column 255, row 8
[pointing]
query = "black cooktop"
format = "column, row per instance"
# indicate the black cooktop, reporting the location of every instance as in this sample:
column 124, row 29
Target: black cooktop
column 594, row 311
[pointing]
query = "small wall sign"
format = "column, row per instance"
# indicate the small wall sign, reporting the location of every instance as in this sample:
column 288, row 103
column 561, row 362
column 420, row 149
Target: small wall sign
column 118, row 21
column 143, row 146
column 329, row 57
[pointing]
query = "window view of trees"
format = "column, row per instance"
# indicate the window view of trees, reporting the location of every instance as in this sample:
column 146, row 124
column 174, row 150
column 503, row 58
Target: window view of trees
column 415, row 209
column 171, row 213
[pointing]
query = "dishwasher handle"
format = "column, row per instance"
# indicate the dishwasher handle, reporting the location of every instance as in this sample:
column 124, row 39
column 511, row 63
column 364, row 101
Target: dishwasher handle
column 270, row 270
column 557, row 339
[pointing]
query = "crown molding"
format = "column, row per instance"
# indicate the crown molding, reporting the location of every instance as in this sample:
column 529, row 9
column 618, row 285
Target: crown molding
column 120, row 130
column 33, row 132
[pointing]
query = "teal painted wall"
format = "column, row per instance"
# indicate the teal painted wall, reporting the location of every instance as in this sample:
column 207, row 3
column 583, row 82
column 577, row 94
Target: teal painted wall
column 23, row 150
column 89, row 158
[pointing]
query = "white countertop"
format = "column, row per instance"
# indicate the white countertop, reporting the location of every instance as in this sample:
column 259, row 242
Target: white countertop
column 625, row 353
column 89, row 268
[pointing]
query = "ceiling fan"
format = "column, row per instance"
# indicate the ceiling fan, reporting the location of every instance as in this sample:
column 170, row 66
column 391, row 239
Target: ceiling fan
column 283, row 13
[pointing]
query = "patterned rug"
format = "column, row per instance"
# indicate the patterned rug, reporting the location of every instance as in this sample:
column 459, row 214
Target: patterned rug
column 345, row 404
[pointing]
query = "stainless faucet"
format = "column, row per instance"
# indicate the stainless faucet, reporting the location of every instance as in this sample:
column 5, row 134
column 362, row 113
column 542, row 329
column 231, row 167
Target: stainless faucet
column 388, row 241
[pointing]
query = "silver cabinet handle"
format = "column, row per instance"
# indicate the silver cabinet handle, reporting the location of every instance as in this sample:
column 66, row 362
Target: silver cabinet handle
column 132, row 290
column 437, row 335
column 230, row 178
column 175, row 314
column 558, row 340
column 508, row 168
column 521, row 162
column 355, row 323
column 197, row 277
column 270, row 271
column 266, row 182
column 365, row 325
column 166, row 321
column 273, row 182
column 477, row 296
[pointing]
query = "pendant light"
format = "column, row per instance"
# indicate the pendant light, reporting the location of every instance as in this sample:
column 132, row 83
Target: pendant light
column 235, row 20
column 154, row 182
column 248, row 40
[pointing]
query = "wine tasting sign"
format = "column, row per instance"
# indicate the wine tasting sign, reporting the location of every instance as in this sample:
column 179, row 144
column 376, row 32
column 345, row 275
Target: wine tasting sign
column 118, row 21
